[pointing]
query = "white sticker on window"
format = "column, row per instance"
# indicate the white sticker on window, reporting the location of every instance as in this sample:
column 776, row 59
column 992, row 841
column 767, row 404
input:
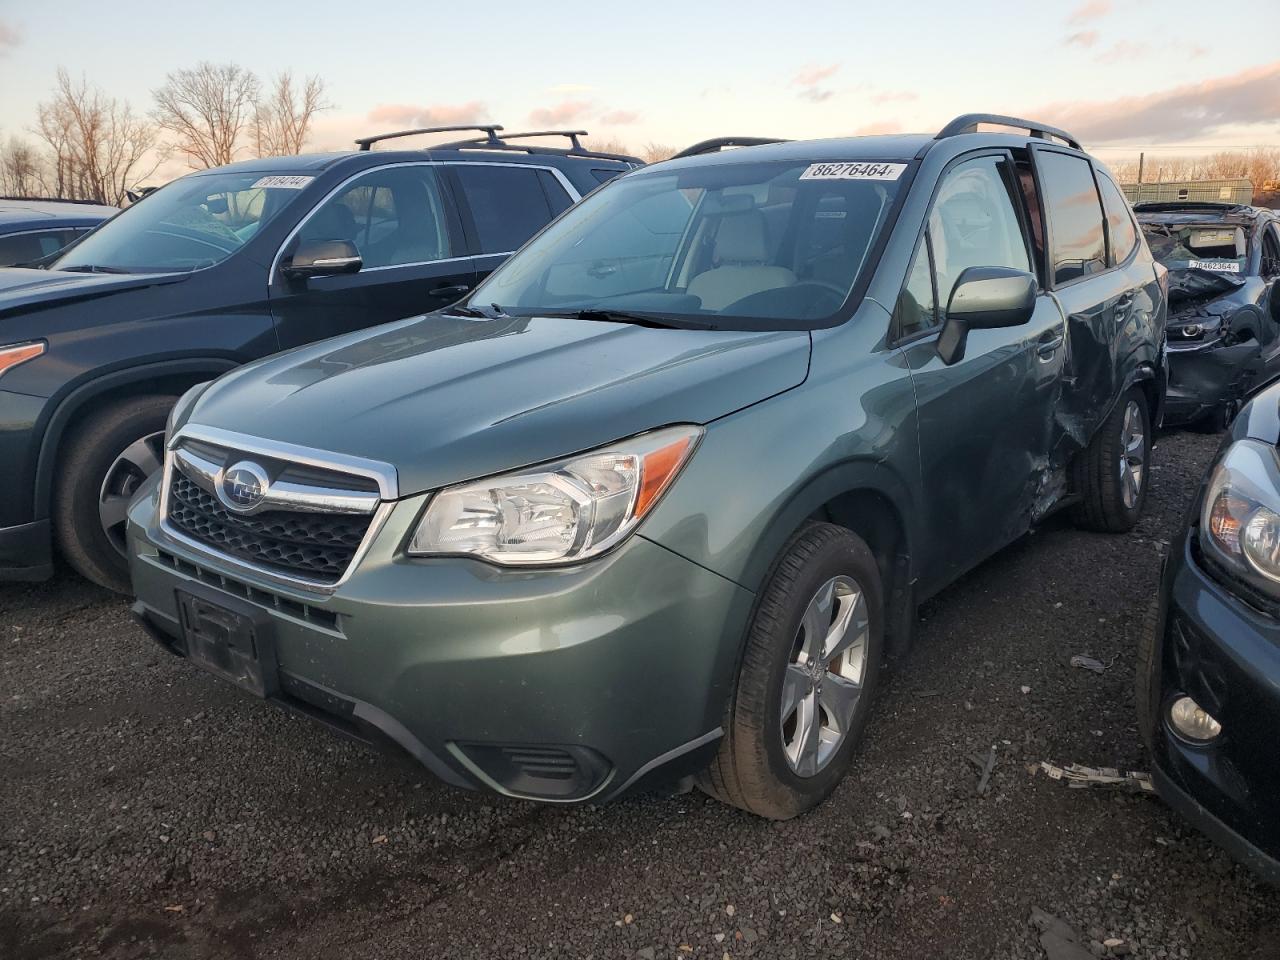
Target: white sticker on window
column 282, row 182
column 1218, row 266
column 853, row 170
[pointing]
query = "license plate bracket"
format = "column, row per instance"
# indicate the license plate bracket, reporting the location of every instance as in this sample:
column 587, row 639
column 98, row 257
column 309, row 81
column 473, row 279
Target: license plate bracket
column 230, row 638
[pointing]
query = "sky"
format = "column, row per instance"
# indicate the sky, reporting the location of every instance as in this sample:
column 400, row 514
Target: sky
column 1167, row 76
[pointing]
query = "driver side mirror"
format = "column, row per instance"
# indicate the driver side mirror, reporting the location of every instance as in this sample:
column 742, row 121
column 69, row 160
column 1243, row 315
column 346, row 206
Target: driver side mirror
column 323, row 258
column 985, row 298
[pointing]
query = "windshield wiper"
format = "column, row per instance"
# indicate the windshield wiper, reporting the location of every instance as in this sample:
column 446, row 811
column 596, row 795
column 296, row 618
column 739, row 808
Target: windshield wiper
column 93, row 268
column 495, row 313
column 624, row 316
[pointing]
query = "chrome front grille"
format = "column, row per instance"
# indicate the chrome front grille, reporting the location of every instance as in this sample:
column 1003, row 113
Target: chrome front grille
column 306, row 524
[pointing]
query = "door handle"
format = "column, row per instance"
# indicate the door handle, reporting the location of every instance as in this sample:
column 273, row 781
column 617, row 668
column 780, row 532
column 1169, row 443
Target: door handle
column 454, row 290
column 1047, row 347
column 1122, row 306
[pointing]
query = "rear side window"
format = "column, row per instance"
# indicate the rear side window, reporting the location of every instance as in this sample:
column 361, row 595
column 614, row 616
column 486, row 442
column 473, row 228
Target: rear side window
column 1077, row 244
column 1124, row 236
column 604, row 176
column 557, row 197
column 1271, row 253
column 508, row 205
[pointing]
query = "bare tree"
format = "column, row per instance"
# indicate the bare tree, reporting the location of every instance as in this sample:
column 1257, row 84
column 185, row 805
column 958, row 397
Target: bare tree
column 282, row 120
column 97, row 142
column 22, row 169
column 653, row 152
column 612, row 145
column 207, row 109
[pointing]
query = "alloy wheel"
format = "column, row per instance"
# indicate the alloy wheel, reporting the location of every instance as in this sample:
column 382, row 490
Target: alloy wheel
column 135, row 464
column 825, row 675
column 1133, row 455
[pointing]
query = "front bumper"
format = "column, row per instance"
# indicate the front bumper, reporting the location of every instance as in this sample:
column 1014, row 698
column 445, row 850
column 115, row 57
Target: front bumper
column 1225, row 654
column 1203, row 378
column 616, row 671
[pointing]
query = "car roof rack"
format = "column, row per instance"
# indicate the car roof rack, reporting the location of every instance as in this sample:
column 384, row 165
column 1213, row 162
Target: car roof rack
column 716, row 144
column 491, row 131
column 576, row 149
column 968, row 123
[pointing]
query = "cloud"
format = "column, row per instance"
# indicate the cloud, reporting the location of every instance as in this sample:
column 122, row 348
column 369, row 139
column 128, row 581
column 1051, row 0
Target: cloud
column 566, row 111
column 433, row 115
column 618, row 118
column 811, row 76
column 1081, row 38
column 1180, row 113
column 808, row 79
column 1089, row 10
column 879, row 127
column 10, row 37
column 814, row 95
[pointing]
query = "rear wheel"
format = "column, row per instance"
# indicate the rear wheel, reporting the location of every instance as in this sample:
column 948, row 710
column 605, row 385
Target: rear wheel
column 1112, row 473
column 104, row 462
column 807, row 678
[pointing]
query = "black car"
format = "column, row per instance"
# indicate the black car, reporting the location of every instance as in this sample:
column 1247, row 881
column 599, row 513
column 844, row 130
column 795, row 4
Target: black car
column 226, row 266
column 1224, row 308
column 32, row 228
column 1209, row 670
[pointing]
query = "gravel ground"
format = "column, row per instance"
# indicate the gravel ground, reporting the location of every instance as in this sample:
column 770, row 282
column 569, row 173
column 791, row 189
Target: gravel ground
column 148, row 810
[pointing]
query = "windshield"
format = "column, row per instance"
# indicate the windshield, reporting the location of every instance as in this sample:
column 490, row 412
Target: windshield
column 766, row 245
column 1220, row 248
column 192, row 223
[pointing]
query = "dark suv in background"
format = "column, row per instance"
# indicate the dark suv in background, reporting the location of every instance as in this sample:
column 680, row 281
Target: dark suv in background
column 32, row 228
column 225, row 266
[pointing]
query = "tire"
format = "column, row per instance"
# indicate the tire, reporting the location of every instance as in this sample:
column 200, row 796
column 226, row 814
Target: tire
column 93, row 454
column 754, row 769
column 1100, row 470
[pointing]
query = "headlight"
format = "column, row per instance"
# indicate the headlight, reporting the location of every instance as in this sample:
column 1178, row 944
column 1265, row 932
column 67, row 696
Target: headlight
column 560, row 513
column 19, row 353
column 182, row 409
column 1240, row 519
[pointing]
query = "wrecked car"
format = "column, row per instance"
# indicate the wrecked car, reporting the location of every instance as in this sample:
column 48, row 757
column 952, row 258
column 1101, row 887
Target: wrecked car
column 1224, row 308
column 1209, row 668
column 656, row 499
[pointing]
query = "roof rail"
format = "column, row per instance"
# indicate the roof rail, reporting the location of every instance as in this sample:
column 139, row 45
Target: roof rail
column 490, row 129
column 715, row 144
column 95, row 203
column 968, row 123
column 502, row 143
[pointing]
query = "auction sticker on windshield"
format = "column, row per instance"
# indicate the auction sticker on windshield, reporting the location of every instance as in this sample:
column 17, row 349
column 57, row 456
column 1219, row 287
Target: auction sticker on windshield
column 1217, row 266
column 281, row 182
column 853, row 170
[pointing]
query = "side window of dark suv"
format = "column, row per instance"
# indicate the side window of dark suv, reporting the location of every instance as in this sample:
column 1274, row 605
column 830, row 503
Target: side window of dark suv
column 508, row 204
column 973, row 224
column 1077, row 240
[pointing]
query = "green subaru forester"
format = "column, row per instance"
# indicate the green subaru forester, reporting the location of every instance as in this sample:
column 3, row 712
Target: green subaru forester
column 660, row 496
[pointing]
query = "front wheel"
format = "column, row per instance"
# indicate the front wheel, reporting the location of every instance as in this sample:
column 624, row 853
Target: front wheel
column 807, row 678
column 1112, row 473
column 104, row 462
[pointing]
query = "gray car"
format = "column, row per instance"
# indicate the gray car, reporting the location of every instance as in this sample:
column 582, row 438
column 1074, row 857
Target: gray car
column 659, row 498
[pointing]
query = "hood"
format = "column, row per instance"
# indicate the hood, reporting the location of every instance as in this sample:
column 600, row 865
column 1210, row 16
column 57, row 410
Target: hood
column 23, row 289
column 445, row 399
column 1191, row 284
